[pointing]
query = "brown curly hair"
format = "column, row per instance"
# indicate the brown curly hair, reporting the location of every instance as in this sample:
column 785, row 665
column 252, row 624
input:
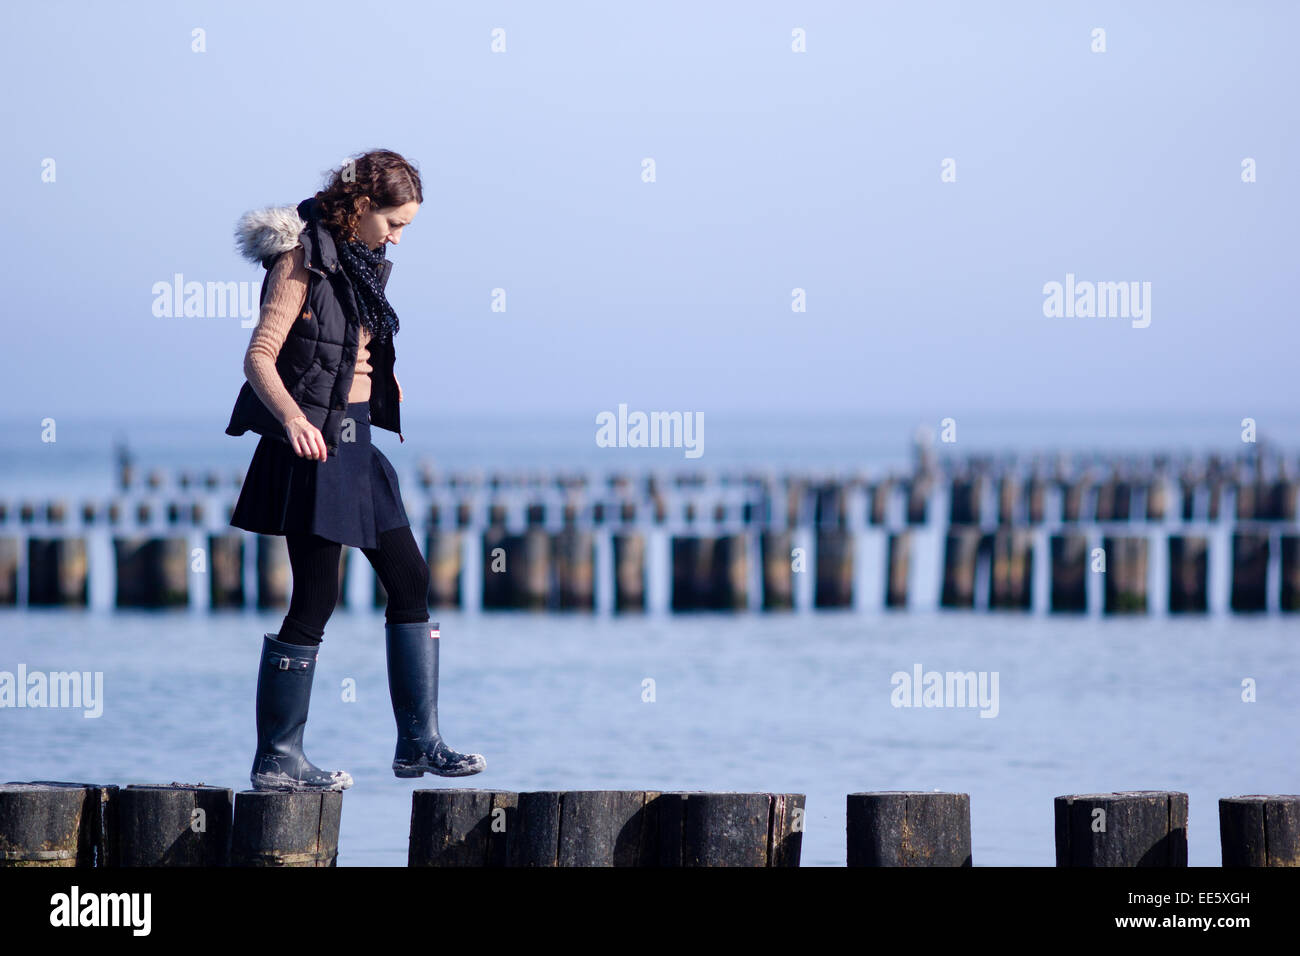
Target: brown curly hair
column 386, row 177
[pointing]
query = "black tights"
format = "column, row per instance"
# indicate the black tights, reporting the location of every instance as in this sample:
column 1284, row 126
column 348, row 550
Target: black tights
column 314, row 561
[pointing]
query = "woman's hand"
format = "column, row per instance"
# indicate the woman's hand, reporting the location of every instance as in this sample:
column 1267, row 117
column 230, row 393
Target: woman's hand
column 306, row 439
column 399, row 388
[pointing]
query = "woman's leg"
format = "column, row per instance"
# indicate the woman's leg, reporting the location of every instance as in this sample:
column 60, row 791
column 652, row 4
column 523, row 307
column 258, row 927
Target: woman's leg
column 315, row 564
column 404, row 574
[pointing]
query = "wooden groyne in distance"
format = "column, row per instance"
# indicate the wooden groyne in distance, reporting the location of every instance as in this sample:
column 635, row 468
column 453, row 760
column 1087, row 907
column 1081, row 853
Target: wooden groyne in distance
column 1155, row 535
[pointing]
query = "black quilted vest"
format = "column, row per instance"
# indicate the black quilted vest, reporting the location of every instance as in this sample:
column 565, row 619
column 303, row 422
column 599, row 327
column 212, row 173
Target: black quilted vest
column 319, row 356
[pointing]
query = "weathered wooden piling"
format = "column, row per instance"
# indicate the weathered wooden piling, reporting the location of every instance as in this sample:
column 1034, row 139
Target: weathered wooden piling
column 459, row 827
column 1188, row 570
column 629, row 572
column 730, row 829
column 645, row 828
column 1114, row 497
column 584, row 828
column 880, row 493
column 226, row 569
column 152, row 572
column 1126, row 575
column 1008, row 498
column 961, row 547
column 443, row 549
column 53, row 823
column 1290, row 572
column 1157, row 499
column 273, row 574
column 834, row 581
column 908, row 828
column 1250, row 570
column 574, row 556
column 175, row 825
column 709, row 574
column 8, row 571
column 1069, row 572
column 291, row 828
column 1130, row 828
column 899, row 557
column 1076, row 492
column 57, row 572
column 1260, row 830
column 1011, row 581
column 965, row 505
column 777, row 550
column 918, row 499
column 516, row 569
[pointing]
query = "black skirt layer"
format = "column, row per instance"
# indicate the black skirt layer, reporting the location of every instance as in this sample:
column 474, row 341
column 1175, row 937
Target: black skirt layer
column 351, row 497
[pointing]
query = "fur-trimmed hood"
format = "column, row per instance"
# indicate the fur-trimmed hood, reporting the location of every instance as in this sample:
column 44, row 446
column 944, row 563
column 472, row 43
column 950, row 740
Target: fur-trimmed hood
column 263, row 234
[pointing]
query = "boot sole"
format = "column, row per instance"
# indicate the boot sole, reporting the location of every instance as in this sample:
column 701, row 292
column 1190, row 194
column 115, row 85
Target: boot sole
column 280, row 784
column 406, row 771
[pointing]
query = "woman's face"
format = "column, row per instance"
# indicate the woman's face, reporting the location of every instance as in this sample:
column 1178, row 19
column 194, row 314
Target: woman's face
column 378, row 226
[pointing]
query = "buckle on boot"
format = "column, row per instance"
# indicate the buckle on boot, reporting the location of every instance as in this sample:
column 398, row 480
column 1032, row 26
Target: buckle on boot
column 283, row 662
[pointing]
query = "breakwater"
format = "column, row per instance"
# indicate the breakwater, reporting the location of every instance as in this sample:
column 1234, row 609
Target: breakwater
column 1075, row 534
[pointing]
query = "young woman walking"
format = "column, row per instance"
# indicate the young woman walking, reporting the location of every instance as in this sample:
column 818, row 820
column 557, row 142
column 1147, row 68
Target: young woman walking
column 319, row 372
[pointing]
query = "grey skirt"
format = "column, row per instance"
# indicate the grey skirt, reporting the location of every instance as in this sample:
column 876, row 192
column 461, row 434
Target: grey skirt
column 351, row 497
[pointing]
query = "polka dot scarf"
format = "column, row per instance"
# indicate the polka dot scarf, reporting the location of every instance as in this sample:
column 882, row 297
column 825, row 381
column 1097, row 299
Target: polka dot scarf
column 361, row 263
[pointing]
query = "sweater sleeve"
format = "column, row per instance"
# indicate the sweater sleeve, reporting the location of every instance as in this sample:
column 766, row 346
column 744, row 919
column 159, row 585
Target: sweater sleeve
column 286, row 292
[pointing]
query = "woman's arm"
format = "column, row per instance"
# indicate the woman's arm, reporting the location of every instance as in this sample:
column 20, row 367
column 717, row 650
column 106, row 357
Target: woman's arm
column 286, row 293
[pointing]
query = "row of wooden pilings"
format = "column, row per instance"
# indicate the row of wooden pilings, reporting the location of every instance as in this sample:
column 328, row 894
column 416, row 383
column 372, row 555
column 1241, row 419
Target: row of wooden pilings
column 975, row 495
column 540, row 569
column 71, row 824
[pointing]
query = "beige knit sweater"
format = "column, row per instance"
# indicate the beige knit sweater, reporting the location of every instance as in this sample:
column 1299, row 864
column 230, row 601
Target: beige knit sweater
column 286, row 293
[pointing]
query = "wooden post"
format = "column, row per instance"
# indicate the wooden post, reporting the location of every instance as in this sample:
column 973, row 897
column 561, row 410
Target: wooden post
column 289, row 828
column 226, row 570
column 1069, row 572
column 1250, row 570
column 964, row 507
column 574, row 554
column 692, row 558
column 1132, row 828
column 834, row 582
column 52, row 823
column 1188, row 567
column 730, row 829
column 443, row 550
column 8, row 571
column 1258, row 830
column 959, row 553
column 460, row 827
column 57, row 572
column 908, row 828
column 778, row 576
column 1126, row 575
column 899, row 563
column 273, row 574
column 1011, row 581
column 152, row 572
column 583, row 828
column 1290, row 572
column 175, row 825
column 629, row 572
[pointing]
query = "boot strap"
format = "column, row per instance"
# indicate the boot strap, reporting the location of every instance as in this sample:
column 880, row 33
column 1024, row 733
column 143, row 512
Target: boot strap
column 284, row 663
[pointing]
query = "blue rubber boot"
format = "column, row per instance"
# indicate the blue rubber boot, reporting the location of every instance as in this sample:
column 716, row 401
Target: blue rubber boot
column 413, row 685
column 284, row 681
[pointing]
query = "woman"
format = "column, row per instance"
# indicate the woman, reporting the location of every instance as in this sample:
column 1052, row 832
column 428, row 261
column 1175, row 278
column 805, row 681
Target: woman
column 319, row 373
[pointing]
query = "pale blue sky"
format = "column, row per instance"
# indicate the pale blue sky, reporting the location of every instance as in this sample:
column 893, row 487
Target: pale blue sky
column 775, row 170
